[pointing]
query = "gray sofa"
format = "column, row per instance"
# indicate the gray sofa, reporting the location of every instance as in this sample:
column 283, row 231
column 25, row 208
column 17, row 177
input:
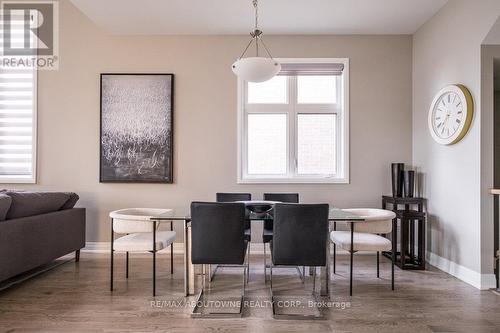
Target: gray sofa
column 36, row 228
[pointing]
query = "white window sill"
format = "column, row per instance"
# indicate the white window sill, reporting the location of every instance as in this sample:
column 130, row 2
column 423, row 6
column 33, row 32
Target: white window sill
column 17, row 180
column 318, row 180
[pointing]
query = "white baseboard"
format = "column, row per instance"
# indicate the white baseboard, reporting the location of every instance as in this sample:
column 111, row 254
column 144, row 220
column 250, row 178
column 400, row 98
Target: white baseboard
column 478, row 280
column 255, row 248
column 104, row 247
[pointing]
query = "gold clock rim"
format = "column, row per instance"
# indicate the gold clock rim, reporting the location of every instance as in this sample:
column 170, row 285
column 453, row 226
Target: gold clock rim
column 470, row 113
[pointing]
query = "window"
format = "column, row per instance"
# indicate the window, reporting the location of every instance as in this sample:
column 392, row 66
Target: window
column 17, row 125
column 294, row 127
column 18, row 116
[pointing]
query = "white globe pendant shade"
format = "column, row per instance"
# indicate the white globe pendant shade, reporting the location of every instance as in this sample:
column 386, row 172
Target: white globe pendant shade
column 256, row 69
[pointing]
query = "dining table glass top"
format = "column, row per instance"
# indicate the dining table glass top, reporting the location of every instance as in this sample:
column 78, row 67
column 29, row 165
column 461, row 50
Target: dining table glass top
column 335, row 214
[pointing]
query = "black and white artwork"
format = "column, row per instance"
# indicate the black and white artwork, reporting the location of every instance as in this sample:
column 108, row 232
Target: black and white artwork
column 136, row 128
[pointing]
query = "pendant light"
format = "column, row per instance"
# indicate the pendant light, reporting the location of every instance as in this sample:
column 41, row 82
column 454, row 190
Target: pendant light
column 256, row 69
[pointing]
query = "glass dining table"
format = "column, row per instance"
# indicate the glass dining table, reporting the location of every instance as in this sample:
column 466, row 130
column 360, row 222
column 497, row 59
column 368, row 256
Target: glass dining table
column 184, row 217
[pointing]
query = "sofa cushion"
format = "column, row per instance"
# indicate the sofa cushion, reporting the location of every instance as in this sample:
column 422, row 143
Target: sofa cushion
column 27, row 203
column 5, row 202
column 73, row 198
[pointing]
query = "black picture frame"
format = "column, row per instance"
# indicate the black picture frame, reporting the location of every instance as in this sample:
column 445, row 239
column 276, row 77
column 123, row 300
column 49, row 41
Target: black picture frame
column 168, row 172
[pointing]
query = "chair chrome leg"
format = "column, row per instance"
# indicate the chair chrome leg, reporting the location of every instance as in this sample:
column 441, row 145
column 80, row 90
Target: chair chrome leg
column 334, row 256
column 296, row 315
column 154, row 258
column 350, row 274
column 245, row 272
column 392, row 268
column 334, row 248
column 154, row 273
column 394, row 249
column 302, row 277
column 126, row 265
column 172, row 251
column 208, row 269
column 112, row 254
column 314, row 282
column 271, row 288
column 248, row 263
column 352, row 255
column 187, row 266
column 203, row 277
column 378, row 264
column 197, row 313
column 244, row 280
column 265, row 264
column 271, row 280
column 212, row 274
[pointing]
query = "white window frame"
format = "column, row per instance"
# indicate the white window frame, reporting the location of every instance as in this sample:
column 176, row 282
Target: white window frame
column 341, row 109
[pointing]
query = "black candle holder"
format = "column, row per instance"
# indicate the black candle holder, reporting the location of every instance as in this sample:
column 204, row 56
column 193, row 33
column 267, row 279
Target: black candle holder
column 409, row 183
column 397, row 179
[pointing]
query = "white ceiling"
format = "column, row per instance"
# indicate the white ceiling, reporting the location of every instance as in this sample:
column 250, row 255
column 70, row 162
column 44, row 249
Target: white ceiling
column 276, row 16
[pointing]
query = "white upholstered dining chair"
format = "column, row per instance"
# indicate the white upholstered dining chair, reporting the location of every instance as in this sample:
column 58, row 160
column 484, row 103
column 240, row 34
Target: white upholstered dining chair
column 367, row 236
column 139, row 231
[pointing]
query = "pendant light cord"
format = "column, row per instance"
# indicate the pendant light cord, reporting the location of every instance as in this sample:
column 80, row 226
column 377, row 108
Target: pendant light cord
column 265, row 48
column 246, row 48
column 256, row 6
column 256, row 34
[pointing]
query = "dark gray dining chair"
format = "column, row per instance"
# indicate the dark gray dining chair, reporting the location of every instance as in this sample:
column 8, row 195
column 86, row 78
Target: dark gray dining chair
column 217, row 233
column 299, row 239
column 232, row 197
column 267, row 231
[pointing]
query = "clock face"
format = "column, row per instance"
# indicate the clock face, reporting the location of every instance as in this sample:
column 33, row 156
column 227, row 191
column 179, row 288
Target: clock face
column 450, row 114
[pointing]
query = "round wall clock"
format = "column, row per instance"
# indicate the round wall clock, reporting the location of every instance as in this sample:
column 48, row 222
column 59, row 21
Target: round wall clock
column 450, row 115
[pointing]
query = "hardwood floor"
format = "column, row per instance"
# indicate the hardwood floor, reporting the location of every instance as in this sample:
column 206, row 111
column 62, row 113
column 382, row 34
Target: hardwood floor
column 75, row 297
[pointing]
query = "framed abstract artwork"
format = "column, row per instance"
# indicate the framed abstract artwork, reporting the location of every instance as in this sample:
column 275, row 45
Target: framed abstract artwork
column 136, row 137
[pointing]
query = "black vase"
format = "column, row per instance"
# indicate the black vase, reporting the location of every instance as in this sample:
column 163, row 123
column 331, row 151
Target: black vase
column 397, row 179
column 409, row 181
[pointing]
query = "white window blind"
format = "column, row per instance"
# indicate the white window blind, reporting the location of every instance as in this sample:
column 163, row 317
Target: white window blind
column 17, row 125
column 314, row 69
column 18, row 86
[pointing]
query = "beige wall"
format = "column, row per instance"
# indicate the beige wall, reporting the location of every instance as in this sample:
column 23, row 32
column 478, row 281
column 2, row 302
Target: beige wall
column 205, row 115
column 447, row 50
